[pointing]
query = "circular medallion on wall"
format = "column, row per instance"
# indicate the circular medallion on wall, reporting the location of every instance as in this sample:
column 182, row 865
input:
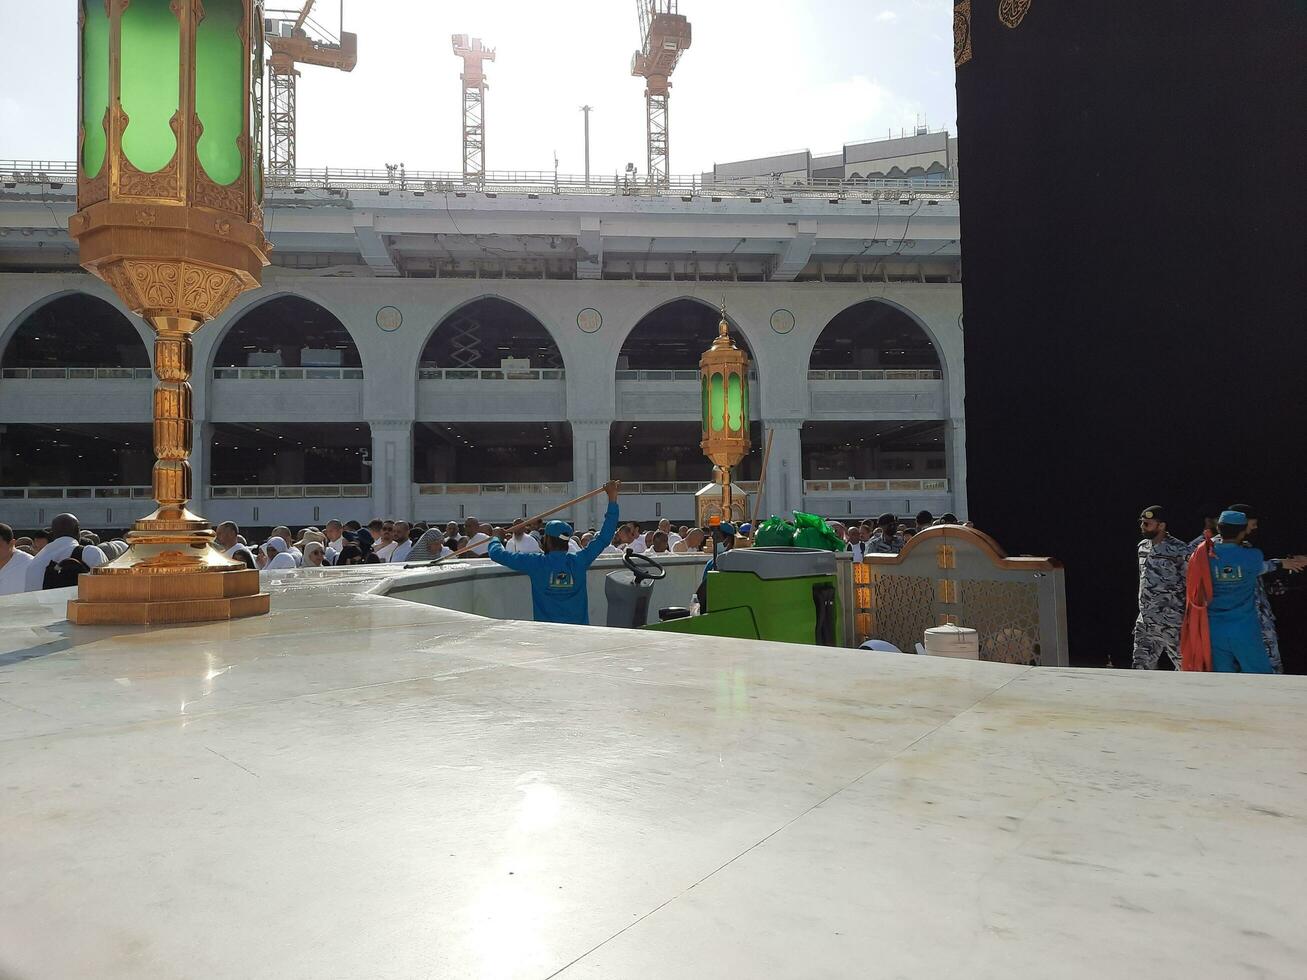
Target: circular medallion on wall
column 782, row 321
column 589, row 320
column 389, row 318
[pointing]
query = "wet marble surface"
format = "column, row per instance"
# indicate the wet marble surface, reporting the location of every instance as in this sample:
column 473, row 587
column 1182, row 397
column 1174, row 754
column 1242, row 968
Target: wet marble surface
column 356, row 786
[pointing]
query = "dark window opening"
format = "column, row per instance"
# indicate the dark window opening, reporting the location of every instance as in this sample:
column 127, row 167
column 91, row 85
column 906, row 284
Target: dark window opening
column 288, row 331
column 873, row 450
column 487, row 332
column 873, row 335
column 289, row 454
column 673, row 338
column 669, row 452
column 78, row 330
column 76, row 455
column 492, row 452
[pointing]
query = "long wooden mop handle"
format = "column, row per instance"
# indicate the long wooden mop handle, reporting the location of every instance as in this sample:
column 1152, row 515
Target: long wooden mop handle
column 522, row 523
column 762, row 479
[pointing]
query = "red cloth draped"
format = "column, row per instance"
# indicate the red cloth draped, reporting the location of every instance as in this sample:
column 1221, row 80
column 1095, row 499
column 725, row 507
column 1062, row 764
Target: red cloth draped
column 1195, row 633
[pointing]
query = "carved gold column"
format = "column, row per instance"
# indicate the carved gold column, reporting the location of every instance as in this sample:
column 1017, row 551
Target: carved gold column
column 170, row 215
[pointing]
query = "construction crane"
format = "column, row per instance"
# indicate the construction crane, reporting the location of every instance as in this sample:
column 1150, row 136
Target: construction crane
column 664, row 34
column 474, row 55
column 294, row 38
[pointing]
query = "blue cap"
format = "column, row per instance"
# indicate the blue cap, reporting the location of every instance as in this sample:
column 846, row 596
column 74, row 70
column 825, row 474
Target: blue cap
column 726, row 528
column 746, row 528
column 559, row 529
column 1234, row 518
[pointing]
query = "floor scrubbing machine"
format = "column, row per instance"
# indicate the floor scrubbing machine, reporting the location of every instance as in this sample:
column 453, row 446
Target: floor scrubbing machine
column 789, row 595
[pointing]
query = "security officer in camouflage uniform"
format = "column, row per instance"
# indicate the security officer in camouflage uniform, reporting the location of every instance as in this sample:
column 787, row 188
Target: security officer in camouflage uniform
column 1163, row 561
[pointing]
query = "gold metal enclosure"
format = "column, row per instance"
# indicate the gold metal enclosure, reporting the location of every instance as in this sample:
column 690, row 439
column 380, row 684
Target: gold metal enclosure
column 724, row 377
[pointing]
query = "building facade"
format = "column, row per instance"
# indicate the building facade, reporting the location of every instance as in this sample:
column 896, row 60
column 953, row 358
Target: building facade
column 424, row 349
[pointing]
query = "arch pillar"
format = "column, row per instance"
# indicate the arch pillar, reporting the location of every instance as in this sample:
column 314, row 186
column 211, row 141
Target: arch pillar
column 392, row 468
column 784, row 486
column 590, row 464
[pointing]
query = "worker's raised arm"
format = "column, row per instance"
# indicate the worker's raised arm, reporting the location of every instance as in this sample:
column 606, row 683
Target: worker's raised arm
column 604, row 538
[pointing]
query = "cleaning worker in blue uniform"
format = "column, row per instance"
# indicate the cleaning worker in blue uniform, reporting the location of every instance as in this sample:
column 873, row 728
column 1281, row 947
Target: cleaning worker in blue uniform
column 558, row 592
column 1232, row 613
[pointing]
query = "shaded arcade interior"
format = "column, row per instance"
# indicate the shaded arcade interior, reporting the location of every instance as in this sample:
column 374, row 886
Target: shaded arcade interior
column 290, row 454
column 674, row 337
column 492, row 452
column 669, row 452
column 76, row 330
column 874, row 450
column 873, row 335
column 76, row 454
column 287, row 331
column 487, row 332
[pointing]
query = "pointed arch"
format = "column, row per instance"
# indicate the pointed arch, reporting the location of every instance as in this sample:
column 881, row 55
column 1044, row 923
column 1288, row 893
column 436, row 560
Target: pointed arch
column 873, row 334
column 482, row 331
column 73, row 328
column 281, row 327
column 674, row 334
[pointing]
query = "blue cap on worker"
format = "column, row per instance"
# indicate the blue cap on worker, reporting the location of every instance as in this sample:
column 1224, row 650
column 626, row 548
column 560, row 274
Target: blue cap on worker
column 1233, row 518
column 725, row 528
column 559, row 529
column 746, row 528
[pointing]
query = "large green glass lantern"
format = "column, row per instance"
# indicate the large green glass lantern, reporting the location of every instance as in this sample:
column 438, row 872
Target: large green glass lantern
column 170, row 214
column 724, row 380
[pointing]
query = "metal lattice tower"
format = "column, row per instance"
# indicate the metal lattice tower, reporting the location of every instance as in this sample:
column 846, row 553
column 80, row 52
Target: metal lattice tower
column 664, row 34
column 281, row 121
column 474, row 55
column 294, row 38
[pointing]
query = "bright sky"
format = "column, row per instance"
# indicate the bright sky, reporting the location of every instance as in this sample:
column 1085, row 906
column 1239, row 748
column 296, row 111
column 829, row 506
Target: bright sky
column 762, row 77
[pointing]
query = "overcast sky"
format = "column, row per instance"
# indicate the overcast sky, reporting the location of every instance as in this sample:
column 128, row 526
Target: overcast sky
column 761, row 77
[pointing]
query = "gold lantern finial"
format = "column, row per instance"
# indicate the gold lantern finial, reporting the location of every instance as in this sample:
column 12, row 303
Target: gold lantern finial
column 724, row 376
column 170, row 214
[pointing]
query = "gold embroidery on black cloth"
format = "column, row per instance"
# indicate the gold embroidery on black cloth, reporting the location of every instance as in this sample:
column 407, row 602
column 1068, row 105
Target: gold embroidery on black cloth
column 1012, row 12
column 961, row 33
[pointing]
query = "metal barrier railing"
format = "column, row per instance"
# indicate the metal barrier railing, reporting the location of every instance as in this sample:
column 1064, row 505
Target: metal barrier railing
column 490, row 374
column 76, row 493
column 886, row 374
column 667, row 375
column 959, row 575
column 291, row 491
column 875, row 486
column 77, row 374
column 287, row 374
column 537, row 182
column 478, row 489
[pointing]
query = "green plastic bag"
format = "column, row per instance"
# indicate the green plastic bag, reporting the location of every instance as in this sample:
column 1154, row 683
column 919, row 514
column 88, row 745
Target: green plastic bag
column 812, row 532
column 774, row 532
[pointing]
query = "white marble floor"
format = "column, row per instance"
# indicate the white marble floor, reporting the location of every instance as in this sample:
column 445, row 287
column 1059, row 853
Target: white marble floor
column 361, row 787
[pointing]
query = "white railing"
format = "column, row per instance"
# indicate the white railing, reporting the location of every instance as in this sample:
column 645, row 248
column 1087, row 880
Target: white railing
column 76, row 493
column 490, row 374
column 668, row 375
column 479, row 489
column 77, row 374
column 292, row 490
column 887, row 374
column 288, row 374
column 680, row 486
column 875, row 486
column 538, row 182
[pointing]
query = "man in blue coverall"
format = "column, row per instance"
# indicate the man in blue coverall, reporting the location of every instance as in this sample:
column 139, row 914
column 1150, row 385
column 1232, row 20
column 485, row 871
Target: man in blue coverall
column 558, row 593
column 1232, row 613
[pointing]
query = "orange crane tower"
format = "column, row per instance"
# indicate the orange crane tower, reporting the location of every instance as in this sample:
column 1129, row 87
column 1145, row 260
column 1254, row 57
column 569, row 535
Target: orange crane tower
column 293, row 39
column 474, row 55
column 664, row 34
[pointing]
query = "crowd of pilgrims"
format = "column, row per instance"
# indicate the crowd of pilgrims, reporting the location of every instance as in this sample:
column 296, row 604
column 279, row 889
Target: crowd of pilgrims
column 52, row 558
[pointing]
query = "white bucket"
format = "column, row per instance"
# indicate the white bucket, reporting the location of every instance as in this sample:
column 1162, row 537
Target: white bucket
column 959, row 642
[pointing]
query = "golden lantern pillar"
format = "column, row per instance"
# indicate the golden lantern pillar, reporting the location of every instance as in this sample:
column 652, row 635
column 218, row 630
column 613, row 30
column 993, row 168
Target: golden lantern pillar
column 170, row 215
column 724, row 378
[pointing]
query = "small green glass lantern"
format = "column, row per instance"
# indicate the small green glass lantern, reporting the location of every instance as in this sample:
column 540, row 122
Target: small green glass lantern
column 724, row 378
column 170, row 215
